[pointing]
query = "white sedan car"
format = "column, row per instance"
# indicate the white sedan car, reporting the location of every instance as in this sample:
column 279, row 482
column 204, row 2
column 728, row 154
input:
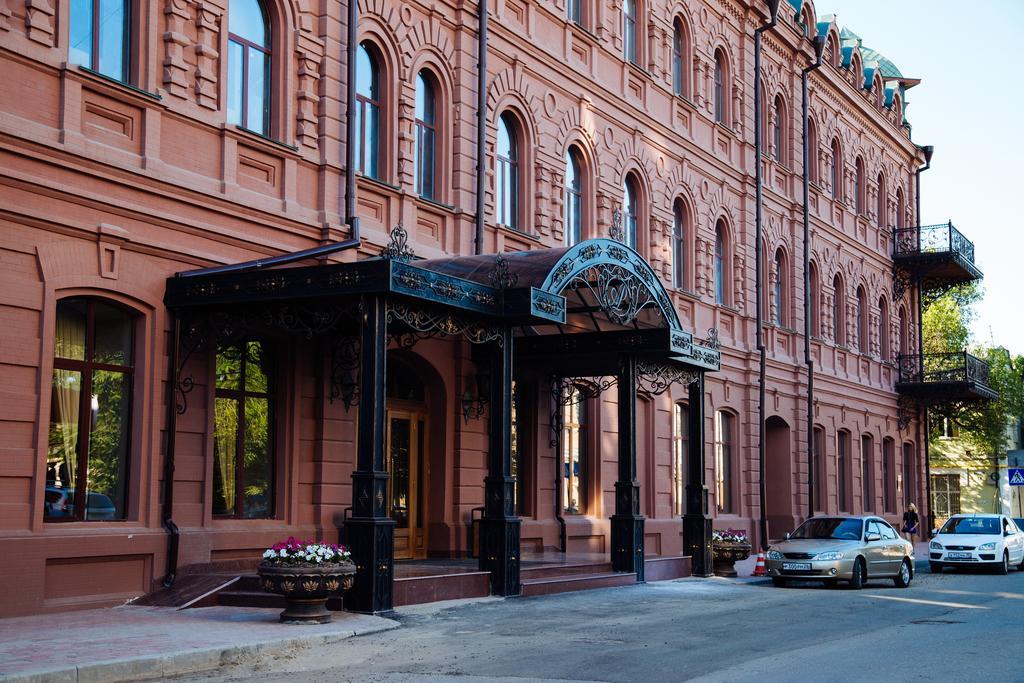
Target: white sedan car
column 973, row 540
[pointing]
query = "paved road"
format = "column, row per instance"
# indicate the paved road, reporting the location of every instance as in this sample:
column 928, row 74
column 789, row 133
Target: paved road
column 952, row 627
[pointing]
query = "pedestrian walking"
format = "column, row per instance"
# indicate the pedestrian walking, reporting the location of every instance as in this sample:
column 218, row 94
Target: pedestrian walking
column 911, row 520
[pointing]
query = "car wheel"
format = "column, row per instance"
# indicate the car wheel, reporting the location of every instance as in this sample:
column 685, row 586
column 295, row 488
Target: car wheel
column 936, row 567
column 779, row 582
column 1003, row 568
column 902, row 579
column 859, row 576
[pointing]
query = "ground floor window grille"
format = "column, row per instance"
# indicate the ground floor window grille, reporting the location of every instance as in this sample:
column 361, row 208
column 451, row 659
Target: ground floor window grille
column 945, row 495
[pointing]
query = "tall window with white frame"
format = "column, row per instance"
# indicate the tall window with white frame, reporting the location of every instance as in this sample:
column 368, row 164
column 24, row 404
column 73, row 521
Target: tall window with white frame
column 243, row 434
column 573, row 197
column 680, row 456
column 820, row 473
column 507, row 176
column 574, row 451
column 883, row 330
column 426, row 132
column 630, row 210
column 842, row 469
column 812, row 151
column 720, row 264
column 249, row 66
column 859, row 189
column 99, row 36
column 778, row 131
column 89, row 438
column 679, row 237
column 882, row 204
column 368, row 116
column 867, row 457
column 779, row 287
column 863, row 341
column 679, row 71
column 719, row 94
column 838, row 311
column 724, row 426
column 629, row 31
column 574, row 11
column 837, row 171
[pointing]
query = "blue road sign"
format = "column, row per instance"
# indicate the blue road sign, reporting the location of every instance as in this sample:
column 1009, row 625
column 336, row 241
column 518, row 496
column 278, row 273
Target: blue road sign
column 1016, row 476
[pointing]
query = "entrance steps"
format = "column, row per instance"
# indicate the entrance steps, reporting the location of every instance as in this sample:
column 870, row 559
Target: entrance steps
column 547, row 580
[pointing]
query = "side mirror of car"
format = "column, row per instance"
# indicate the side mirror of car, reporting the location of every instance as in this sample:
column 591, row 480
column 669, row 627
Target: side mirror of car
column 787, row 535
column 933, row 533
column 871, row 538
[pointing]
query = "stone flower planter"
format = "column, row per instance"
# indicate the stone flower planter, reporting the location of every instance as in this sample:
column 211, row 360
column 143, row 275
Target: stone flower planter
column 307, row 589
column 725, row 555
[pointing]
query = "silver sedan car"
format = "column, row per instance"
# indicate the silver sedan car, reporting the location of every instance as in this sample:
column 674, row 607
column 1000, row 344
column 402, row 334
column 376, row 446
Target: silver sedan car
column 847, row 548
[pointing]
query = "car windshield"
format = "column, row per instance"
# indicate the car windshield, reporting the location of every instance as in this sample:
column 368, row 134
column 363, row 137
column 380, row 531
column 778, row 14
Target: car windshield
column 830, row 527
column 1019, row 522
column 986, row 526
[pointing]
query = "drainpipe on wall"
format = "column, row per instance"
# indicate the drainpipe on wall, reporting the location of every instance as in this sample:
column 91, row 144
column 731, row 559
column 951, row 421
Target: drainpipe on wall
column 819, row 49
column 927, row 150
column 773, row 8
column 481, row 125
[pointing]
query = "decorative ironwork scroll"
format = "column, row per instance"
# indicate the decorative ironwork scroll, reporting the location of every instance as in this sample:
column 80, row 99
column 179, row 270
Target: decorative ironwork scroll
column 563, row 396
column 616, row 231
column 617, row 290
column 398, row 248
column 501, row 277
column 906, row 409
column 345, row 370
column 900, row 282
column 656, row 378
column 424, row 324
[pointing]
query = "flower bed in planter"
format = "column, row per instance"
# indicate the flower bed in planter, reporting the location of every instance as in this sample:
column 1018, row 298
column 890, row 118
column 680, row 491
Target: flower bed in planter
column 306, row 574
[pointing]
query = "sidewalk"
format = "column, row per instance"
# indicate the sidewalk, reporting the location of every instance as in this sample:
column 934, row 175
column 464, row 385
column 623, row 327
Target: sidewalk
column 135, row 643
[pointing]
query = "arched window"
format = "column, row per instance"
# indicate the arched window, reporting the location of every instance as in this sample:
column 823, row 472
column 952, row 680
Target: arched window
column 882, row 196
column 909, row 470
column 721, row 254
column 815, row 301
column 820, row 474
column 99, row 36
column 838, row 311
column 575, row 442
column 89, row 439
column 573, row 197
column 901, row 210
column 507, row 175
column 867, row 479
column 721, row 76
column 883, row 330
column 725, row 437
column 426, row 131
column 680, row 235
column 779, row 131
column 863, row 342
column 249, row 65
column 631, row 53
column 781, row 279
column 837, row 171
column 812, row 151
column 368, row 117
column 843, row 469
column 888, row 474
column 680, row 50
column 574, row 11
column 859, row 187
column 904, row 332
column 243, row 428
column 630, row 210
column 680, row 456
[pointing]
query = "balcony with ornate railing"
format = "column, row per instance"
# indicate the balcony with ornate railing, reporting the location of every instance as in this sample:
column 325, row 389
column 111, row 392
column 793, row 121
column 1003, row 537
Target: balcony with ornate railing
column 935, row 253
column 944, row 376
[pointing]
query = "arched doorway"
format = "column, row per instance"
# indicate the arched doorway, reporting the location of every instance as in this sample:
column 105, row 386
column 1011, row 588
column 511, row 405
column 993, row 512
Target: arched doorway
column 406, row 457
column 779, row 477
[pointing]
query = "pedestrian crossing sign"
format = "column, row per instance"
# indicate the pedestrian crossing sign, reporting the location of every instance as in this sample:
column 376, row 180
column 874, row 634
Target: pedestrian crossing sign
column 1016, row 476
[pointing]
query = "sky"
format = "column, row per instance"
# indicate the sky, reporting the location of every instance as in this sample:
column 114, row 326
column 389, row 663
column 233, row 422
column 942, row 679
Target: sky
column 969, row 105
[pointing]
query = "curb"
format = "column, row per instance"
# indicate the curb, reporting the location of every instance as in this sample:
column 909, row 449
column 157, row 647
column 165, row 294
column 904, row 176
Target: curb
column 178, row 663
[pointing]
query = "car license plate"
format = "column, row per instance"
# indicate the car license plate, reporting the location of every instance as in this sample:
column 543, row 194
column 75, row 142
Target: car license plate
column 796, row 566
column 958, row 556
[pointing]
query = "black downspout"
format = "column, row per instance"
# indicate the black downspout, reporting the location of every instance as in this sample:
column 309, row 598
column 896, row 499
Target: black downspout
column 481, row 125
column 819, row 49
column 928, row 150
column 350, row 176
column 167, row 509
column 556, row 417
column 773, row 7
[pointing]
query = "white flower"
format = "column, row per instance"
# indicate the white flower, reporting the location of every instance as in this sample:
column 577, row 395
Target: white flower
column 268, row 554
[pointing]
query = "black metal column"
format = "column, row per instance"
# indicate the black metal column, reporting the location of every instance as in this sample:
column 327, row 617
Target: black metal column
column 696, row 521
column 627, row 522
column 370, row 530
column 499, row 527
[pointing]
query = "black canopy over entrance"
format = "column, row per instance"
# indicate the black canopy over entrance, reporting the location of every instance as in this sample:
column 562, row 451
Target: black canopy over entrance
column 594, row 309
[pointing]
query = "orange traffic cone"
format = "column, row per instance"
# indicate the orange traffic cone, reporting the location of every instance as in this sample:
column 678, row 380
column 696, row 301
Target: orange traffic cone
column 759, row 569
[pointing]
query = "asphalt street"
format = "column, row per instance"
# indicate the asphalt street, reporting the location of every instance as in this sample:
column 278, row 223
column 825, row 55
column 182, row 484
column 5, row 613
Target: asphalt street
column 953, row 627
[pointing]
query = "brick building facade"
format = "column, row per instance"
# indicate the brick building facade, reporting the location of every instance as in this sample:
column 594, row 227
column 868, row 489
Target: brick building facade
column 179, row 135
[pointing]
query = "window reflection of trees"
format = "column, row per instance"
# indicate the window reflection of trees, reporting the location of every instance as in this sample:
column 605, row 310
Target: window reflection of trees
column 574, row 450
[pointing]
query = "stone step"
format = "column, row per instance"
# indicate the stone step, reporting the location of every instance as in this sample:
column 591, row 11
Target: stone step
column 527, row 571
column 259, row 598
column 576, row 582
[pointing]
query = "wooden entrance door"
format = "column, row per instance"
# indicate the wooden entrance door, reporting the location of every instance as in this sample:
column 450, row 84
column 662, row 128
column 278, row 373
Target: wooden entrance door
column 406, row 486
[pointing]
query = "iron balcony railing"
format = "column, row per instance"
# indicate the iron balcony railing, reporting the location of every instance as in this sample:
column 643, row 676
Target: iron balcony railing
column 933, row 240
column 943, row 368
